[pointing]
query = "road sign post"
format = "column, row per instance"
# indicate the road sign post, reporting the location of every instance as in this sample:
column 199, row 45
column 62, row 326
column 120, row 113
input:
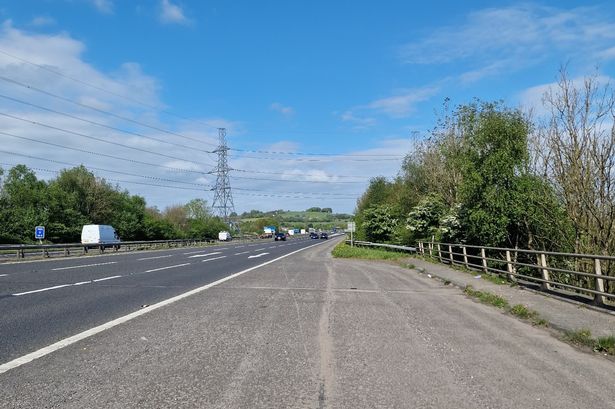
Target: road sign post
column 351, row 228
column 39, row 233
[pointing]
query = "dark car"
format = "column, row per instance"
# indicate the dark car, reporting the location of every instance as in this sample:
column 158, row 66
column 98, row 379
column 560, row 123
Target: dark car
column 313, row 235
column 324, row 235
column 280, row 236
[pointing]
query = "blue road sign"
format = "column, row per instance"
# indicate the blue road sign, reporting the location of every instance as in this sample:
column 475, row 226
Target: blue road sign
column 39, row 232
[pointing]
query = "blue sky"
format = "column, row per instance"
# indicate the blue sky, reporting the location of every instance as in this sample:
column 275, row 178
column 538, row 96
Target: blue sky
column 345, row 77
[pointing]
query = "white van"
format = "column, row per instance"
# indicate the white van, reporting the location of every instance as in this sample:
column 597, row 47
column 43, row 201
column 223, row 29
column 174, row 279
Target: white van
column 97, row 234
column 224, row 236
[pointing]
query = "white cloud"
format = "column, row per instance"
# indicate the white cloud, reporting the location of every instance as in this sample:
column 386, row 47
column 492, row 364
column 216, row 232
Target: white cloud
column 360, row 122
column 172, row 13
column 41, row 21
column 104, row 6
column 403, row 102
column 607, row 54
column 510, row 38
column 533, row 98
column 287, row 111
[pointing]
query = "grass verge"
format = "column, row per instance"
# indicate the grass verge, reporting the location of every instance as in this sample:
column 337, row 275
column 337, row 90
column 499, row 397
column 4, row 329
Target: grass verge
column 583, row 337
column 343, row 250
column 487, row 297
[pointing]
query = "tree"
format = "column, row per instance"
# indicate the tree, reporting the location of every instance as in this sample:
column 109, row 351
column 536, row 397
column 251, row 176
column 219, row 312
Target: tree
column 379, row 223
column 577, row 153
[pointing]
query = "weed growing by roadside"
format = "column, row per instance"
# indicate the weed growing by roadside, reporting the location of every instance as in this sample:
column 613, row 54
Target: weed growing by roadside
column 486, row 297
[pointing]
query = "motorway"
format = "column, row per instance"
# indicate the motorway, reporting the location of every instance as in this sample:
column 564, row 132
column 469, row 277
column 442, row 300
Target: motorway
column 304, row 331
column 45, row 301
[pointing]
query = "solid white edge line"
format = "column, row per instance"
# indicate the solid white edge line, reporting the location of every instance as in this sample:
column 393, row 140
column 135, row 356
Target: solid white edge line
column 83, row 265
column 113, row 323
column 167, row 267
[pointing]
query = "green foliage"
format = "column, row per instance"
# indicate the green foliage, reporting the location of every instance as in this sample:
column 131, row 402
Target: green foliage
column 343, row 250
column 423, row 220
column 77, row 197
column 487, row 297
column 379, row 223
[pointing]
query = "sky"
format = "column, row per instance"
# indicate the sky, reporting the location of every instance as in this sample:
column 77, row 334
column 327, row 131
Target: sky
column 316, row 97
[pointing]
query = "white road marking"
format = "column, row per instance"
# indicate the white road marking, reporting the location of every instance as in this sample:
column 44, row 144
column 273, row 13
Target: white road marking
column 166, row 268
column 152, row 258
column 84, row 265
column 258, row 255
column 206, row 255
column 211, row 259
column 3, row 275
column 40, row 290
column 195, row 252
column 105, row 279
column 243, row 252
column 55, row 287
column 96, row 330
column 260, row 249
column 238, row 247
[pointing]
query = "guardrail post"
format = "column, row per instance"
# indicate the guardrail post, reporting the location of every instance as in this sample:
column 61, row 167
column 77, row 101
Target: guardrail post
column 450, row 254
column 542, row 261
column 484, row 260
column 439, row 253
column 66, row 252
column 599, row 283
column 509, row 266
column 430, row 246
column 465, row 256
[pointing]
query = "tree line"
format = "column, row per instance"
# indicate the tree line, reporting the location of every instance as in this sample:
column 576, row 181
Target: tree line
column 77, row 197
column 493, row 175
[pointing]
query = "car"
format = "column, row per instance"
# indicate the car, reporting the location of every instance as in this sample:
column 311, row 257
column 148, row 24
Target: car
column 324, row 235
column 280, row 236
column 313, row 235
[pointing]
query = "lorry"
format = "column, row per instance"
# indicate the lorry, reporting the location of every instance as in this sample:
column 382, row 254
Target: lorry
column 224, row 236
column 101, row 235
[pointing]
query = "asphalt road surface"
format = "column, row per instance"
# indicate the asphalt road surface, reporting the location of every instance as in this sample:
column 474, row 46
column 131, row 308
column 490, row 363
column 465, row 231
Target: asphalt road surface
column 305, row 331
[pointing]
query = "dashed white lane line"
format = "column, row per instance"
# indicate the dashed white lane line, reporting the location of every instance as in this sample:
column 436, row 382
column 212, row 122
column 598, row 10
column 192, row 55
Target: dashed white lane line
column 113, row 323
column 3, row 275
column 260, row 249
column 55, row 287
column 206, row 255
column 258, row 255
column 243, row 252
column 239, row 247
column 153, row 258
column 40, row 290
column 195, row 252
column 105, row 279
column 84, row 265
column 166, row 268
column 212, row 259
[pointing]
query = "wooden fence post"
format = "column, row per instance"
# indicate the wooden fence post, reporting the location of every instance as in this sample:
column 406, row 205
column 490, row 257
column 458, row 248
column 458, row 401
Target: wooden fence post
column 542, row 260
column 484, row 260
column 465, row 256
column 599, row 283
column 509, row 266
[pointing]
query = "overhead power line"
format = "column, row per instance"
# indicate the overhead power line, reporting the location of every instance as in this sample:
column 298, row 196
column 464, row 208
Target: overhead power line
column 316, row 154
column 77, row 80
column 303, row 196
column 89, row 121
column 103, row 154
column 95, row 138
column 102, row 111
